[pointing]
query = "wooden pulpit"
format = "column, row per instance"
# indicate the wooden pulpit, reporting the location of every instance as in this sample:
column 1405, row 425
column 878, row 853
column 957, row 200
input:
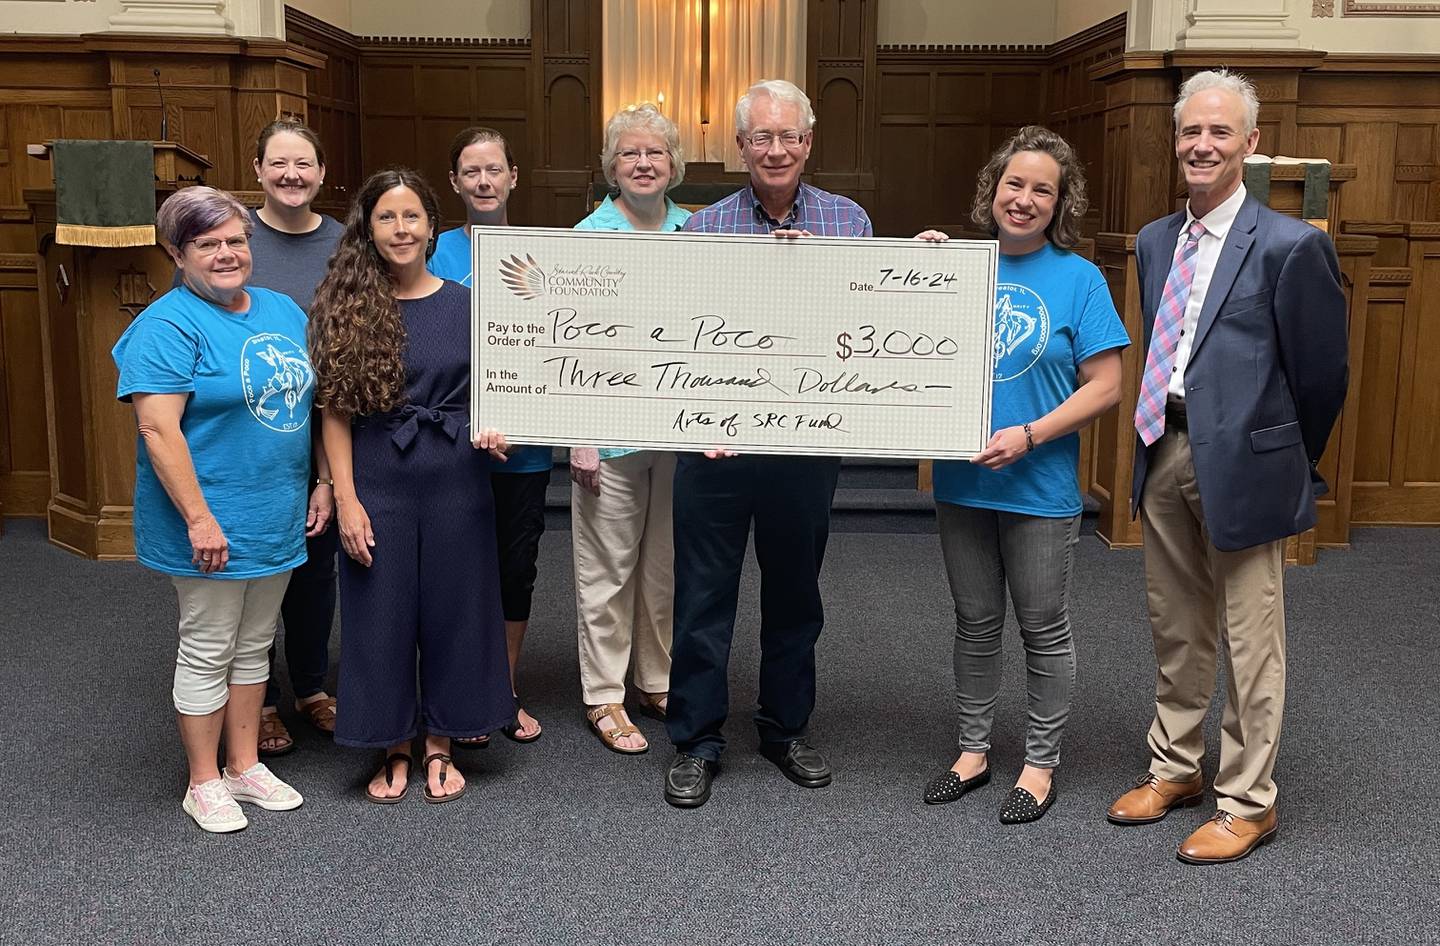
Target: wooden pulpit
column 89, row 295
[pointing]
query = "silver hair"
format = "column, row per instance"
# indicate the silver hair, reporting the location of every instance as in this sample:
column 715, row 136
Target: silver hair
column 644, row 117
column 787, row 93
column 191, row 211
column 1232, row 82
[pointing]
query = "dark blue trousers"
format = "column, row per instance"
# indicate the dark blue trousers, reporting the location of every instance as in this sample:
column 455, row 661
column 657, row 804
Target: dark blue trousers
column 308, row 612
column 716, row 501
column 422, row 642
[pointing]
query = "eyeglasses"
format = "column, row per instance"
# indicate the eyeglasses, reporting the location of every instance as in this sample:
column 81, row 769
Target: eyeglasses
column 209, row 246
column 632, row 155
column 762, row 140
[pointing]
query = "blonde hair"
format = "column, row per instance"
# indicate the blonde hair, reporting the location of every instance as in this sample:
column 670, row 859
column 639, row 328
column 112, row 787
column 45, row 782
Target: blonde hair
column 644, row 117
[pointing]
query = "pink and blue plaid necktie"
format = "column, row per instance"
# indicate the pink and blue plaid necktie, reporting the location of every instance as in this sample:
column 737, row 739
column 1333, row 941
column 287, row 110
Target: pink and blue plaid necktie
column 1165, row 340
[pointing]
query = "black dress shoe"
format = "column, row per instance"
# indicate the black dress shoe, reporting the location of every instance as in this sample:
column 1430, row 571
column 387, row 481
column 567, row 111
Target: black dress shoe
column 801, row 762
column 948, row 786
column 1022, row 808
column 687, row 784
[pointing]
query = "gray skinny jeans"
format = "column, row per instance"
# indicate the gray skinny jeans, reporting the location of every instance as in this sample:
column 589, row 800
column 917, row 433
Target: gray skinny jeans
column 984, row 551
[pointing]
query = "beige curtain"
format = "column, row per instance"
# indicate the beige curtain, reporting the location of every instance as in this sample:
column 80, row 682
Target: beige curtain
column 653, row 47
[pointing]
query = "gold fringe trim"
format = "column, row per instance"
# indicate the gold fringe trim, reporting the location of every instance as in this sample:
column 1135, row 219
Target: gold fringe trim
column 72, row 234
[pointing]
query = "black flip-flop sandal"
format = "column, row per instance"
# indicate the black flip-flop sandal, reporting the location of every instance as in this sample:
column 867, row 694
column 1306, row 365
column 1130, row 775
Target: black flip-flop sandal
column 390, row 762
column 445, row 763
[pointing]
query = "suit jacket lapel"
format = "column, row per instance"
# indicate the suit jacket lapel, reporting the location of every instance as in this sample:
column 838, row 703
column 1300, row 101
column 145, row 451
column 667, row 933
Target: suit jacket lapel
column 1160, row 263
column 1227, row 267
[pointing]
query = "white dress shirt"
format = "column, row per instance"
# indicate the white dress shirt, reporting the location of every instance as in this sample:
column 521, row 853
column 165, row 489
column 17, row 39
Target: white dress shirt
column 1217, row 225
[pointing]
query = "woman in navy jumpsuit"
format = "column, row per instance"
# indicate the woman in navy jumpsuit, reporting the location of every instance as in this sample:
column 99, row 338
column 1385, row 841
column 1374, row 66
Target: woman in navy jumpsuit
column 420, row 526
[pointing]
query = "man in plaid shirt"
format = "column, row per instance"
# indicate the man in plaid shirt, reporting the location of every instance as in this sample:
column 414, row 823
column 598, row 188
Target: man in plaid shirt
column 718, row 495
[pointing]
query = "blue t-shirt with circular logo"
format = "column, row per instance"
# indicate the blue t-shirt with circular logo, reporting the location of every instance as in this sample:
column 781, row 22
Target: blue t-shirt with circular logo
column 451, row 260
column 246, row 423
column 1052, row 312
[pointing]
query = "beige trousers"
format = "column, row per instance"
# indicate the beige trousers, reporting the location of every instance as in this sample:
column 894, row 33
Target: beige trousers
column 1198, row 596
column 625, row 575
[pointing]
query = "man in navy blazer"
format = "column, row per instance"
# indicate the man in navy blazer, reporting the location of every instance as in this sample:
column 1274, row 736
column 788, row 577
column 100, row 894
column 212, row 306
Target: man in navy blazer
column 1245, row 374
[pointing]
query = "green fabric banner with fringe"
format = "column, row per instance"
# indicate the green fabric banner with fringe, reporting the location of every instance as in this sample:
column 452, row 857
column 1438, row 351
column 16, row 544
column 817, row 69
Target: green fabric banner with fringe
column 104, row 192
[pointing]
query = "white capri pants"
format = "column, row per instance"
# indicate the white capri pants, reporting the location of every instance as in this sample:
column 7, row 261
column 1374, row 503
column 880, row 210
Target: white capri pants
column 226, row 628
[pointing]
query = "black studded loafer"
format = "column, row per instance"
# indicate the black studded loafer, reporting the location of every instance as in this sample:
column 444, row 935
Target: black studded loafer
column 948, row 786
column 687, row 784
column 801, row 762
column 1022, row 808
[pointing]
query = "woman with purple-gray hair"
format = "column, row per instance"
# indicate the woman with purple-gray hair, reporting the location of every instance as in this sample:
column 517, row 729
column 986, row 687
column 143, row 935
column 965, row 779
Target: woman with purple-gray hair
column 220, row 378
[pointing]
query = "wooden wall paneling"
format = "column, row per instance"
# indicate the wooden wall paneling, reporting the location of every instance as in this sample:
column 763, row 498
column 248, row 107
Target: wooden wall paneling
column 1370, row 146
column 1075, row 102
column 218, row 91
column 416, row 98
column 564, row 108
column 24, row 446
column 1417, row 172
column 43, row 98
column 1378, row 398
column 1139, row 164
column 939, row 116
column 1396, row 470
column 840, row 78
column 332, row 96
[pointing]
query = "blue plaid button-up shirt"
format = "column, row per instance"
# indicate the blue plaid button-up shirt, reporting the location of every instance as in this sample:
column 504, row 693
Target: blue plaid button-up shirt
column 820, row 212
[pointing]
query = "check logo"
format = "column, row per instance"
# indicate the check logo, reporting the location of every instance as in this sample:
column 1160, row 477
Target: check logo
column 524, row 277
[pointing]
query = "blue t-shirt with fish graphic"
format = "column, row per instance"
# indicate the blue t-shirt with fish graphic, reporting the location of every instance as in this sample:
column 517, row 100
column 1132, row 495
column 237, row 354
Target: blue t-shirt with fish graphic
column 1052, row 312
column 248, row 386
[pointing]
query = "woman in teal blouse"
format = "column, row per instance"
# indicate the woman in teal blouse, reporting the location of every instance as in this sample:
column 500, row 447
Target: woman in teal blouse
column 620, row 500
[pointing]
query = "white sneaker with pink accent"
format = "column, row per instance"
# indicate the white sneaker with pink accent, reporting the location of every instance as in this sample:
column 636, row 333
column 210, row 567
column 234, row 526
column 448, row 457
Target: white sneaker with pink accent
column 257, row 785
column 212, row 807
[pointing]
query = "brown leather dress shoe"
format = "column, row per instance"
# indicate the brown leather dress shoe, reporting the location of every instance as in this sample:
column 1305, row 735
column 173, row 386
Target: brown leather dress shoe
column 1153, row 797
column 1226, row 838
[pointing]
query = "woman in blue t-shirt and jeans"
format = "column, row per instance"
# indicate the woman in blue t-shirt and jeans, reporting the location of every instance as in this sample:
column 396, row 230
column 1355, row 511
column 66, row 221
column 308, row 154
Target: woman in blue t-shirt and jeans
column 1011, row 516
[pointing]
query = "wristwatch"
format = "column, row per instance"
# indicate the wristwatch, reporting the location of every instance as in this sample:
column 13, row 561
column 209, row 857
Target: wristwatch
column 324, row 481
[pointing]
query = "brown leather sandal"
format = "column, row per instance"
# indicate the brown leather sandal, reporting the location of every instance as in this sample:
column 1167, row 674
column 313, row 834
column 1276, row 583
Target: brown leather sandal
column 271, row 728
column 649, row 704
column 320, row 713
column 609, row 736
column 390, row 762
column 445, row 764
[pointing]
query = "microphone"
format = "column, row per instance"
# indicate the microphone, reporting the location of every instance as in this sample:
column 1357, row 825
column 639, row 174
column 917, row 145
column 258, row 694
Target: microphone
column 164, row 118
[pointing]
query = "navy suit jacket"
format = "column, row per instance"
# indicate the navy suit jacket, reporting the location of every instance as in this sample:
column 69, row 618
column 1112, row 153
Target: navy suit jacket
column 1267, row 372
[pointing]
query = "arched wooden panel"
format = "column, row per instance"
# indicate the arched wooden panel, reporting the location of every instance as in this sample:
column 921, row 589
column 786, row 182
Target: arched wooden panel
column 567, row 108
column 840, row 120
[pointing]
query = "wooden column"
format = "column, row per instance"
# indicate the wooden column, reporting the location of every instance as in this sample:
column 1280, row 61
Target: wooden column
column 565, row 101
column 840, row 78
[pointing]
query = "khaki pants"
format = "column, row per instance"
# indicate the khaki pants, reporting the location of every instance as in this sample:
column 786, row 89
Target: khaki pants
column 625, row 575
column 1199, row 595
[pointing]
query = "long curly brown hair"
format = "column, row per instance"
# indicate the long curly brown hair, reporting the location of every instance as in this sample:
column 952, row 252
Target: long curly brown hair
column 357, row 334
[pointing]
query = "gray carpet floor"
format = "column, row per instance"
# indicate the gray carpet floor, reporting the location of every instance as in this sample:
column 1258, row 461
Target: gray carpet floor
column 563, row 842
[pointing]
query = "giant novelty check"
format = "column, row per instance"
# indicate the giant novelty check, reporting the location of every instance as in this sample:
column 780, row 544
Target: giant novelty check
column 680, row 341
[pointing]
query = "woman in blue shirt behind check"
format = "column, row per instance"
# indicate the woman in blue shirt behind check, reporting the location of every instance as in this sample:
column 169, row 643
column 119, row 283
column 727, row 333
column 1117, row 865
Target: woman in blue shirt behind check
column 1011, row 516
column 621, row 499
column 483, row 173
